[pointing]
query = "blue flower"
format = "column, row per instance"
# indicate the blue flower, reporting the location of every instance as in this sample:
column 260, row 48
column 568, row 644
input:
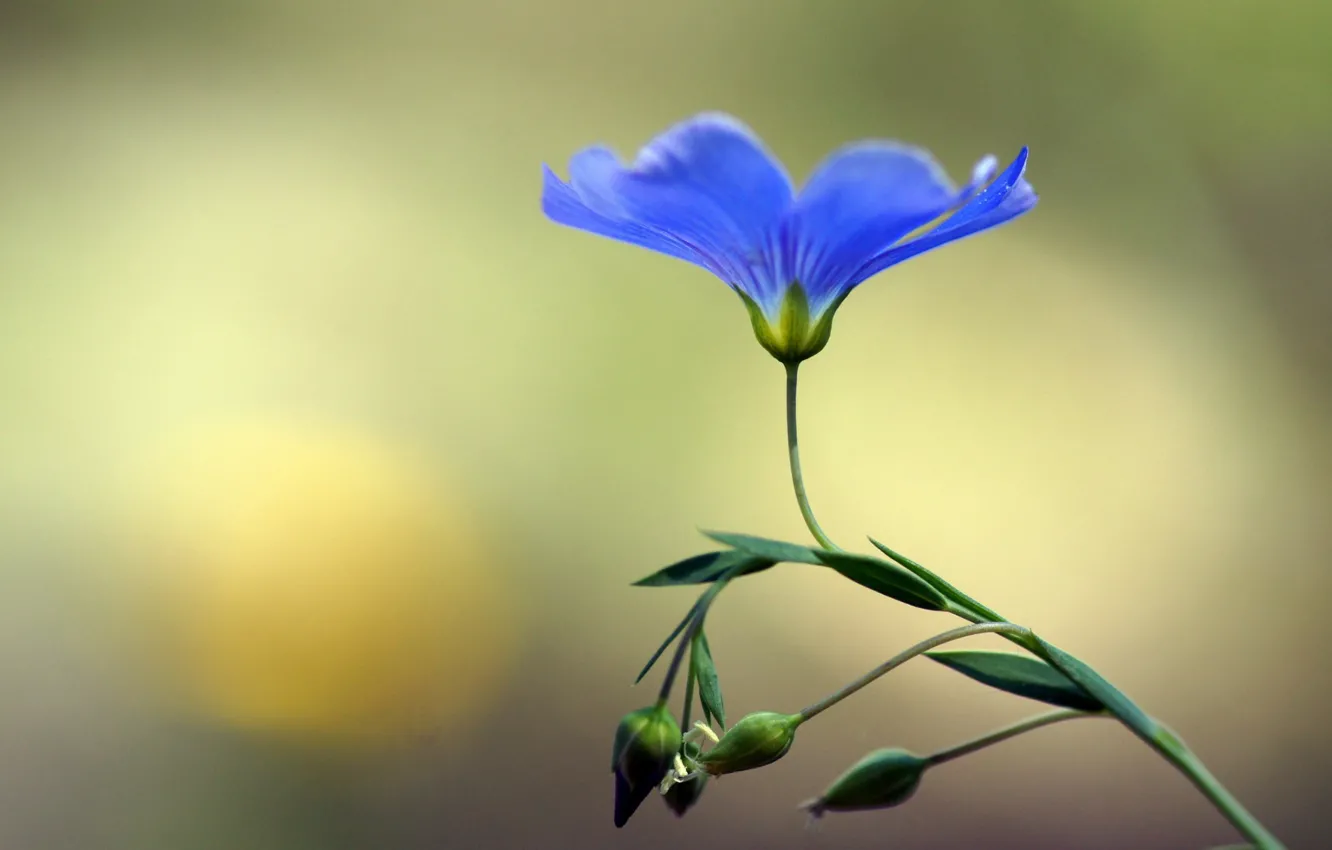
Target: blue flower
column 709, row 192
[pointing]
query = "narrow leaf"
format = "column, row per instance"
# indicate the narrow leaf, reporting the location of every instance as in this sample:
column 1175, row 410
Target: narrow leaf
column 1111, row 697
column 1017, row 674
column 702, row 569
column 709, row 686
column 771, row 550
column 883, row 577
column 939, row 584
column 666, row 643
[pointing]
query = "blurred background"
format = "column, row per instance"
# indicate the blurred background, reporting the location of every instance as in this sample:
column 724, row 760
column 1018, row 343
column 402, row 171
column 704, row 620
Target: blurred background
column 326, row 462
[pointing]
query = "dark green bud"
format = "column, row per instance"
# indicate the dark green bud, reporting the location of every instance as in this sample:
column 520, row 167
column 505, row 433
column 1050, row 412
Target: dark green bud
column 756, row 740
column 646, row 744
column 881, row 780
column 682, row 796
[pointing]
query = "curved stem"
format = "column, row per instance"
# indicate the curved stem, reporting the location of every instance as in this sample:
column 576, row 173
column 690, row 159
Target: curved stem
column 905, row 656
column 1165, row 743
column 797, row 478
column 1000, row 735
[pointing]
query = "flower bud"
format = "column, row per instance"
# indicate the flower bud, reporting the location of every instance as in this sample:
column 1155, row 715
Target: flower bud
column 682, row 796
column 756, row 740
column 880, row 780
column 646, row 743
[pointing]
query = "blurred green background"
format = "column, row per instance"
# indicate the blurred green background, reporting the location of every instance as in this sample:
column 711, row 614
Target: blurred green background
column 326, row 461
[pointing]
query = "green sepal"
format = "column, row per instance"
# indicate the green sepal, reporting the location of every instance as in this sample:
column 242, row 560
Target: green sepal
column 709, row 685
column 949, row 592
column 795, row 335
column 886, row 578
column 771, row 550
column 703, row 569
column 881, row 780
column 1018, row 674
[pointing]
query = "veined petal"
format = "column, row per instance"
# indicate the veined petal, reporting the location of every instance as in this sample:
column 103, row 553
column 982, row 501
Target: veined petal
column 1008, row 197
column 860, row 200
column 562, row 204
column 711, row 184
column 706, row 191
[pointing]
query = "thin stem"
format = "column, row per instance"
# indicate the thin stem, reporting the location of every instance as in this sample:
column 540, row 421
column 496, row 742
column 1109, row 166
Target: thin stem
column 798, row 479
column 1174, row 750
column 905, row 656
column 1000, row 735
column 689, row 699
column 1169, row 746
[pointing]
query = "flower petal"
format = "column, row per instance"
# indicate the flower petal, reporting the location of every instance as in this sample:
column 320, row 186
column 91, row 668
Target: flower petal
column 562, row 203
column 859, row 201
column 1008, row 197
column 709, row 183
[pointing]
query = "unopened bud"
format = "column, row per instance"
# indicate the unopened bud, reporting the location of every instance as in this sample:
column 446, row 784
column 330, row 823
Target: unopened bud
column 880, row 780
column 646, row 743
column 756, row 740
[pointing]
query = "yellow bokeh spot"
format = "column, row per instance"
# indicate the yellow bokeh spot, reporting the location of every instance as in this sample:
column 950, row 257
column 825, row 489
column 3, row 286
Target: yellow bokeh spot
column 318, row 583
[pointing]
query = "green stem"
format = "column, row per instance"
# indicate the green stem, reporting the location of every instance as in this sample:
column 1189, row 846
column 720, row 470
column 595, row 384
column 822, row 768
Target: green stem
column 1174, row 751
column 1000, row 735
column 797, row 478
column 689, row 698
column 906, row 655
column 1164, row 742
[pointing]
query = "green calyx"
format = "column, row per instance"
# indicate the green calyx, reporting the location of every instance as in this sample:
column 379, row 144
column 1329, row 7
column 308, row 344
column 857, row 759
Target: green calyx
column 754, row 741
column 793, row 335
column 880, row 780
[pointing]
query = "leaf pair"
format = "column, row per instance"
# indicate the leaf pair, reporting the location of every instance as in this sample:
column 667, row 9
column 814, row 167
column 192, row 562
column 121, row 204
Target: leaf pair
column 755, row 554
column 1053, row 676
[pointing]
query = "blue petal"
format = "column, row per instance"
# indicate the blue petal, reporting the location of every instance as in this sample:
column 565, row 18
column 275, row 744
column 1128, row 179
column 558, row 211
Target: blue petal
column 859, row 201
column 562, row 203
column 706, row 185
column 1008, row 197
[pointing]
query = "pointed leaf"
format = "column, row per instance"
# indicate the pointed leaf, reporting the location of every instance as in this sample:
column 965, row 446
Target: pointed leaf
column 709, row 686
column 666, row 643
column 1111, row 697
column 949, row 591
column 883, row 577
column 762, row 547
column 702, row 569
column 1018, row 674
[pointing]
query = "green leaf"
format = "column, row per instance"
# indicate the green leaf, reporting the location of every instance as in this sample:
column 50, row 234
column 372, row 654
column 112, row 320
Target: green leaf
column 709, row 686
column 666, row 643
column 770, row 550
column 702, row 569
column 949, row 591
column 883, row 577
column 1017, row 674
column 1109, row 696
